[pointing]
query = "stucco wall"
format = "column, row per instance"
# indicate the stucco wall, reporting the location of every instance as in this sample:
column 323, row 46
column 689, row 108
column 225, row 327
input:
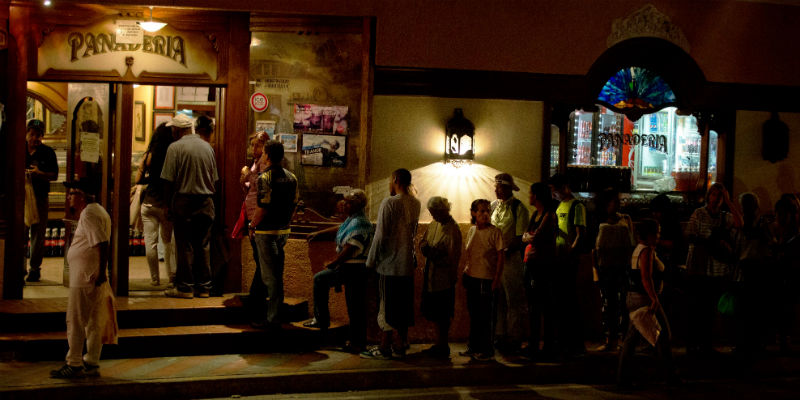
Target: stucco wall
column 408, row 132
column 754, row 174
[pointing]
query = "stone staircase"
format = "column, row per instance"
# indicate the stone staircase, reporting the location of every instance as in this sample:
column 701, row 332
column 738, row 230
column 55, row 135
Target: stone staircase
column 153, row 326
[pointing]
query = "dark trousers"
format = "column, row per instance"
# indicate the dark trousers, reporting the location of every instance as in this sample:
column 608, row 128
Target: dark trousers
column 612, row 282
column 663, row 346
column 570, row 330
column 480, row 305
column 38, row 232
column 354, row 279
column 193, row 216
column 541, row 313
column 704, row 293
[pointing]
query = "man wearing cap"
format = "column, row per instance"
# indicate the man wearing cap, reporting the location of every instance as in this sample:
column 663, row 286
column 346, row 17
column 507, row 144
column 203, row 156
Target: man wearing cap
column 88, row 260
column 190, row 171
column 511, row 216
column 41, row 164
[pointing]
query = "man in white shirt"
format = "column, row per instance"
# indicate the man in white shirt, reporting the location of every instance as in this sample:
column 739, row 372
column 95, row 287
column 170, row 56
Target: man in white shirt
column 88, row 260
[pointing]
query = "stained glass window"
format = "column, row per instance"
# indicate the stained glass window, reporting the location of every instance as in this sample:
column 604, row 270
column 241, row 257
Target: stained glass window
column 636, row 90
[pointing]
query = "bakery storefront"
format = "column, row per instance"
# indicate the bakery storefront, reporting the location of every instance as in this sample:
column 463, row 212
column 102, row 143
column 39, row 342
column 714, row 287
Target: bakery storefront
column 102, row 79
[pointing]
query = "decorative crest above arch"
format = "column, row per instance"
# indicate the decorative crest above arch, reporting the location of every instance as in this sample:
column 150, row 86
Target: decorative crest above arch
column 647, row 22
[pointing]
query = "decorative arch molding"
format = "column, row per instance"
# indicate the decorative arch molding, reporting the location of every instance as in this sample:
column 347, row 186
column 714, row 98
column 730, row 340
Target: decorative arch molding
column 647, row 22
column 663, row 57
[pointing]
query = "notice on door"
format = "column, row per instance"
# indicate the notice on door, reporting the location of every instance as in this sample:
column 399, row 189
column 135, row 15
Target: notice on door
column 129, row 32
column 90, row 147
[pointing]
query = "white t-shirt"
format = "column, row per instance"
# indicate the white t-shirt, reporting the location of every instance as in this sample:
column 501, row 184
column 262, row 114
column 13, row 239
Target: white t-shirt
column 94, row 227
column 482, row 247
column 392, row 250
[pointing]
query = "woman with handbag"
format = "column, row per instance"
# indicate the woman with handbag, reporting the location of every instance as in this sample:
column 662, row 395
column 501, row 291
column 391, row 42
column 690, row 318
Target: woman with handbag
column 154, row 205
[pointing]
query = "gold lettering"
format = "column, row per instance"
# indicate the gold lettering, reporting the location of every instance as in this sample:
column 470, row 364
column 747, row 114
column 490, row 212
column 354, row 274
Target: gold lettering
column 134, row 47
column 75, row 40
column 147, row 44
column 158, row 43
column 91, row 48
column 102, row 42
column 179, row 51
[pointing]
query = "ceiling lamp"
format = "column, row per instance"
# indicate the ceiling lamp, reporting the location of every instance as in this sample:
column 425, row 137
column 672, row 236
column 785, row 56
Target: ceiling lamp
column 152, row 26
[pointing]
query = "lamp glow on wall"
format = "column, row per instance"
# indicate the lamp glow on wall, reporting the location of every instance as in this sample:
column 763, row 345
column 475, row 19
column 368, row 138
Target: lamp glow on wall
column 459, row 143
column 152, row 26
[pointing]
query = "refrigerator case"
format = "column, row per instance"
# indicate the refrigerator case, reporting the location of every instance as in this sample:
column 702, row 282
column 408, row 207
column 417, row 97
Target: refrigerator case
column 585, row 145
column 580, row 135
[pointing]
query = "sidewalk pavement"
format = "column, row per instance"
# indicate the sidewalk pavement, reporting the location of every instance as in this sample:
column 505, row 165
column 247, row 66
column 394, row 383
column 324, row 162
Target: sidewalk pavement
column 329, row 370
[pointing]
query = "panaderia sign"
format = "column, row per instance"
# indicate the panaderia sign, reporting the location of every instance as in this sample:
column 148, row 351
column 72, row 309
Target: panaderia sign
column 97, row 48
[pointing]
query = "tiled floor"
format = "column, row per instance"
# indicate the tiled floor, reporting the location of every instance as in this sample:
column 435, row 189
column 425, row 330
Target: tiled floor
column 50, row 285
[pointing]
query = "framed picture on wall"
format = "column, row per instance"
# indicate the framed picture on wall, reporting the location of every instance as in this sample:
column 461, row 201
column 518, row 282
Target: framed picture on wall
column 139, row 123
column 164, row 98
column 160, row 117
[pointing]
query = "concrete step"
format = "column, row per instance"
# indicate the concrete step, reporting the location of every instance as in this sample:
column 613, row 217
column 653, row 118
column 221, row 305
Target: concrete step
column 176, row 341
column 48, row 315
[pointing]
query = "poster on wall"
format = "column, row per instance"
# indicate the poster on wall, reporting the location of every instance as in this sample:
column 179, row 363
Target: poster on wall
column 320, row 119
column 160, row 117
column 139, row 123
column 289, row 141
column 324, row 150
column 266, row 126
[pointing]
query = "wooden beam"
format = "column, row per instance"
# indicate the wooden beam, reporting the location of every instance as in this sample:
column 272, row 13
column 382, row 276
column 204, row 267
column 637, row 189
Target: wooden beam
column 120, row 201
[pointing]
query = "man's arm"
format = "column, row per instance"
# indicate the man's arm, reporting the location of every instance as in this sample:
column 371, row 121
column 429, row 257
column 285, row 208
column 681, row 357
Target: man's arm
column 104, row 252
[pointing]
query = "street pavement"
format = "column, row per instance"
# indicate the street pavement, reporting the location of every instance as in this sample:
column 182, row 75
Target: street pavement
column 329, row 371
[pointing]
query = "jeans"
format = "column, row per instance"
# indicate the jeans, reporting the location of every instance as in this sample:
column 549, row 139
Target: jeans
column 663, row 347
column 271, row 260
column 541, row 311
column 38, row 232
column 193, row 216
column 354, row 279
column 613, row 281
column 512, row 313
column 480, row 304
column 155, row 224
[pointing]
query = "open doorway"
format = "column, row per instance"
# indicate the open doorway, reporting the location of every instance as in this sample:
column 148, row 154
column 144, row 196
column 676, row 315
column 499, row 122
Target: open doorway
column 83, row 128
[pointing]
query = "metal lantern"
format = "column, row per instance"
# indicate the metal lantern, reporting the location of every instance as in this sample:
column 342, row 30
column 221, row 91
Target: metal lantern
column 459, row 143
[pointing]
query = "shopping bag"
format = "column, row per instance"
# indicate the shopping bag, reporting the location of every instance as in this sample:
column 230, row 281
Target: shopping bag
column 31, row 213
column 107, row 316
column 239, row 229
column 136, row 208
column 727, row 304
column 646, row 323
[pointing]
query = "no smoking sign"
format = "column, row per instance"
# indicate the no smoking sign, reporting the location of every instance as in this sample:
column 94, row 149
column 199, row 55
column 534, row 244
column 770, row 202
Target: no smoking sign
column 259, row 102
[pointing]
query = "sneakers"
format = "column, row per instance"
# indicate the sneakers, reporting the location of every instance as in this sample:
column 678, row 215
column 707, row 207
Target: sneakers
column 483, row 357
column 202, row 294
column 314, row 323
column 67, row 372
column 466, row 353
column 33, row 276
column 178, row 294
column 91, row 370
column 377, row 353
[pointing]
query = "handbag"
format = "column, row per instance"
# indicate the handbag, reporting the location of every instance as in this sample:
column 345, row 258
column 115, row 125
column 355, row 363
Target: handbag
column 136, row 208
column 646, row 323
column 31, row 212
column 239, row 229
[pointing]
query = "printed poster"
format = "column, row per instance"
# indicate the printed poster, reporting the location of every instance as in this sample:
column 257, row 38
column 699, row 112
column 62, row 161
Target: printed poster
column 324, row 150
column 266, row 126
column 312, row 118
column 289, row 141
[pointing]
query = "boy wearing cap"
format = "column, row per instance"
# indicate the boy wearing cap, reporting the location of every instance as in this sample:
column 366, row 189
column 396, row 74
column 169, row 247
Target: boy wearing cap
column 88, row 260
column 190, row 170
column 511, row 216
column 41, row 164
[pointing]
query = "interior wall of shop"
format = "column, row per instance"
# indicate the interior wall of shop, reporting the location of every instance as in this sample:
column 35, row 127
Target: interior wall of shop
column 732, row 41
column 144, row 93
column 754, row 174
column 408, row 132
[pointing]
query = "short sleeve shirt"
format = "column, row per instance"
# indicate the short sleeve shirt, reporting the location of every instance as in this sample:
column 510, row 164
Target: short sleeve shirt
column 482, row 247
column 278, row 195
column 45, row 158
column 94, row 227
column 566, row 234
column 191, row 166
column 503, row 219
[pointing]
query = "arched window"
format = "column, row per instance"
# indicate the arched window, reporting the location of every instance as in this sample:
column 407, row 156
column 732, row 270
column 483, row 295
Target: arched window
column 635, row 91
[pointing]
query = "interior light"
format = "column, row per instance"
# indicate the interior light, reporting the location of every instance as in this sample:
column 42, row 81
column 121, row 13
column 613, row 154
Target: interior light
column 152, row 26
column 47, row 3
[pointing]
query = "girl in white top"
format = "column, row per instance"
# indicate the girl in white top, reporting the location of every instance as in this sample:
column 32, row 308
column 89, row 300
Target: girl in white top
column 481, row 279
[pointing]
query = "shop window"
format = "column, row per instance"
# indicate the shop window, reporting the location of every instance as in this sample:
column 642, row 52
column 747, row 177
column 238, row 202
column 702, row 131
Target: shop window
column 713, row 143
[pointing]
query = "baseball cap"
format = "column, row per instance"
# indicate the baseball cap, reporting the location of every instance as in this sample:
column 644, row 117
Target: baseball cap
column 181, row 121
column 505, row 179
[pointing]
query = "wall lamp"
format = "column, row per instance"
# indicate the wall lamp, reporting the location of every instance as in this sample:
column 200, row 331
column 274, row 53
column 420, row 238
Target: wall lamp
column 459, row 140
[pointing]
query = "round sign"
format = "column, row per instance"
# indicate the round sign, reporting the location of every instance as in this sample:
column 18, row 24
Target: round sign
column 259, row 102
